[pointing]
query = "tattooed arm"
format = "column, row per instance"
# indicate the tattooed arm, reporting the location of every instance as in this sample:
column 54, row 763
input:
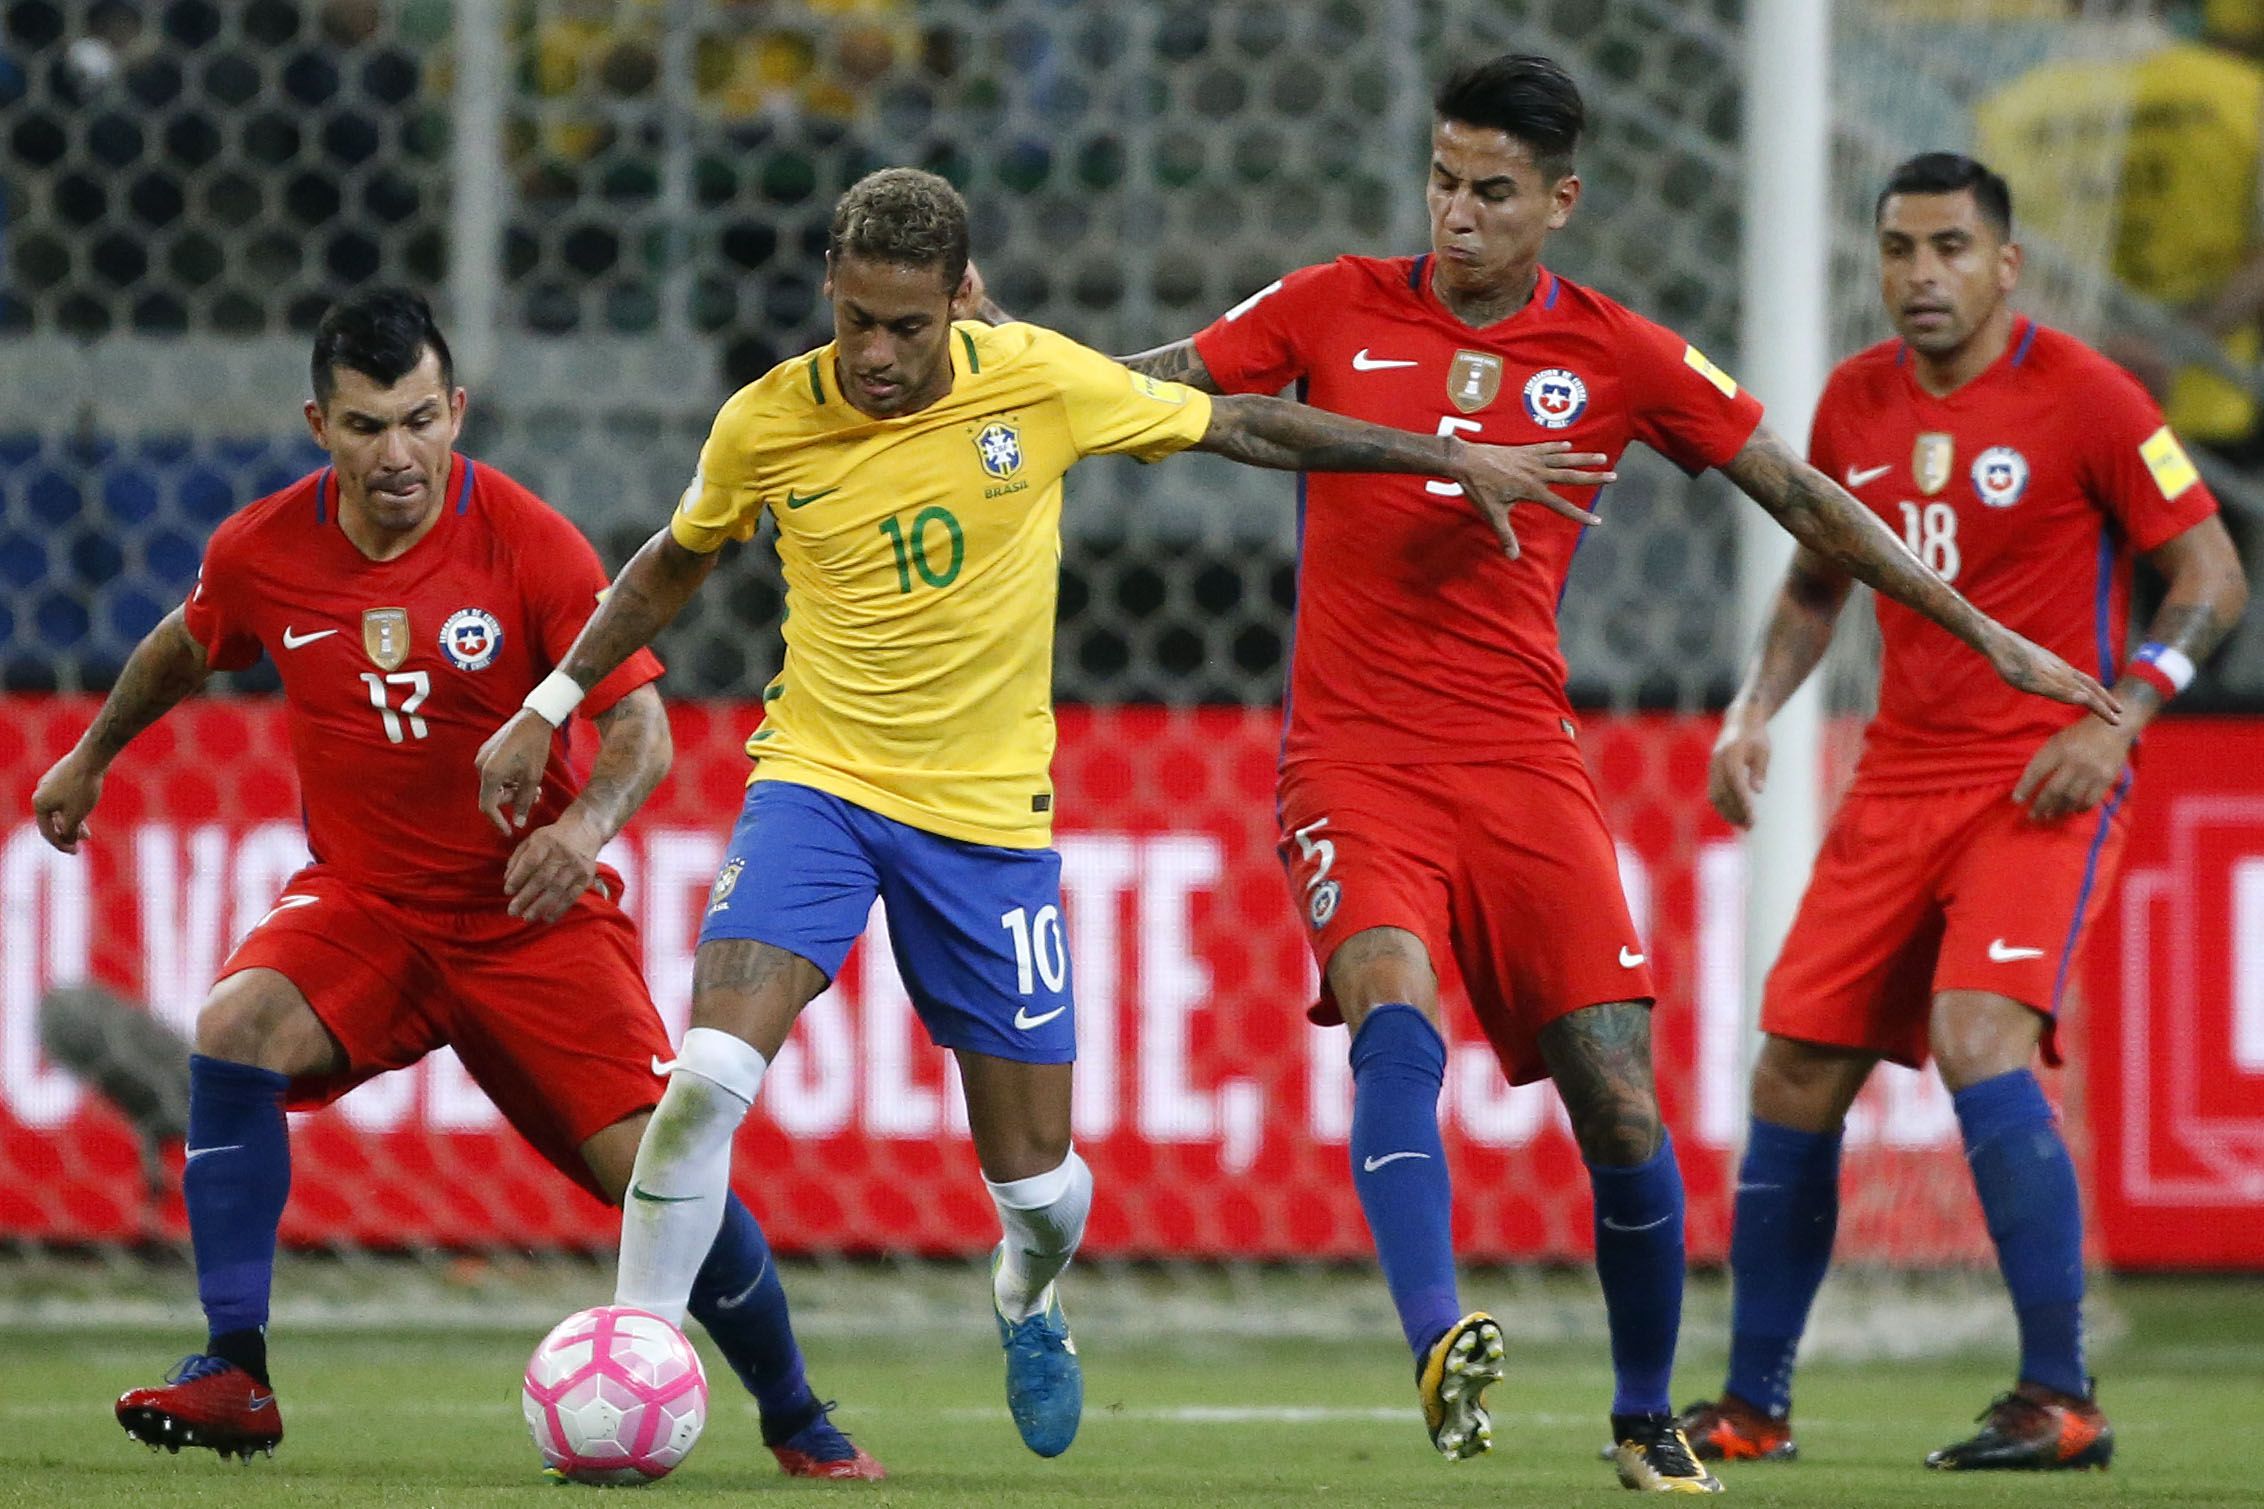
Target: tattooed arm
column 1178, row 362
column 644, row 599
column 1793, row 645
column 554, row 865
column 167, row 666
column 2081, row 763
column 1285, row 436
column 1820, row 514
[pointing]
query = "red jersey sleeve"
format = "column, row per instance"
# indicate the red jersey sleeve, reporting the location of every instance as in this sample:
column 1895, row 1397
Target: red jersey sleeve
column 562, row 579
column 1257, row 346
column 2134, row 467
column 1680, row 404
column 214, row 611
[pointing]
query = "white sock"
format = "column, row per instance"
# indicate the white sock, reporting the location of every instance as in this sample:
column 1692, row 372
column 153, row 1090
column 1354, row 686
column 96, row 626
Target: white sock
column 1044, row 1219
column 674, row 1205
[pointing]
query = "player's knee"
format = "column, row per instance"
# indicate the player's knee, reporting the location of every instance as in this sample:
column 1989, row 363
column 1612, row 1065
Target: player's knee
column 267, row 1025
column 1623, row 1131
column 1976, row 1035
column 1382, row 965
column 1805, row 1087
column 1023, row 1152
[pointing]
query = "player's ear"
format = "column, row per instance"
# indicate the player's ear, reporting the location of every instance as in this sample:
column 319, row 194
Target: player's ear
column 825, row 289
column 316, row 425
column 458, row 401
column 1565, row 193
column 2009, row 259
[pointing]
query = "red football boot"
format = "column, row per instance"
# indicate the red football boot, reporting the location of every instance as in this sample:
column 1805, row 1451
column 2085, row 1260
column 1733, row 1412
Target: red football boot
column 1730, row 1430
column 204, row 1402
column 820, row 1449
column 2033, row 1429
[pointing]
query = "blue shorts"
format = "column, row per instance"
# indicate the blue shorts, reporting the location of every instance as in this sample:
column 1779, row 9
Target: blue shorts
column 976, row 929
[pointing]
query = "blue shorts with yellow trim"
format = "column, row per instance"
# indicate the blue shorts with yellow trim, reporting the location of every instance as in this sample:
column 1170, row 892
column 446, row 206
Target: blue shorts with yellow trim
column 976, row 929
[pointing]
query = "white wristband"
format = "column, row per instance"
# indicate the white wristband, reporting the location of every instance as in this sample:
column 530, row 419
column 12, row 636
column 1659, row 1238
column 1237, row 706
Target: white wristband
column 2173, row 663
column 555, row 699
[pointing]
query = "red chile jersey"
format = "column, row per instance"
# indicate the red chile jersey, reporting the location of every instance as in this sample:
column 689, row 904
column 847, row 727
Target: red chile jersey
column 396, row 672
column 1416, row 639
column 2029, row 489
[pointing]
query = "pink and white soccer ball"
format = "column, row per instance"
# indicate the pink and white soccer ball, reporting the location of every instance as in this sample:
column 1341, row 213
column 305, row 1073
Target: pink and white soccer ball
column 615, row 1395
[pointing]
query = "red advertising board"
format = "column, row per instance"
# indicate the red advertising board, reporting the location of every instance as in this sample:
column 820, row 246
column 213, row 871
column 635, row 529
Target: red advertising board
column 1214, row 1117
column 2178, row 1066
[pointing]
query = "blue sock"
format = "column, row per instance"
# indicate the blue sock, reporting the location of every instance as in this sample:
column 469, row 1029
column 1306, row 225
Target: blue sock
column 738, row 1297
column 1640, row 1259
column 1787, row 1214
column 1399, row 1167
column 2027, row 1185
column 237, row 1177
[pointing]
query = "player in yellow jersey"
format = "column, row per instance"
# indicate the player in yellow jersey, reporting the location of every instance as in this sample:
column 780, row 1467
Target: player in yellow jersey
column 914, row 470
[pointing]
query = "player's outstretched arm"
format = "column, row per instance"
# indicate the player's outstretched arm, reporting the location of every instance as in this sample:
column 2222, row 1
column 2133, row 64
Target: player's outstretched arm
column 1178, row 362
column 648, row 594
column 165, row 667
column 2206, row 594
column 1823, row 516
column 1791, row 647
column 553, row 866
column 1285, row 436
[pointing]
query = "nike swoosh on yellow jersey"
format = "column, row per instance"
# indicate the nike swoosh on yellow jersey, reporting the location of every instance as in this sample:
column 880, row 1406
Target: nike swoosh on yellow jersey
column 795, row 500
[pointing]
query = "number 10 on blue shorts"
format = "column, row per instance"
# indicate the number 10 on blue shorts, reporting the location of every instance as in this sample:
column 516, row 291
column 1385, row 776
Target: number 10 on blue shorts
column 976, row 928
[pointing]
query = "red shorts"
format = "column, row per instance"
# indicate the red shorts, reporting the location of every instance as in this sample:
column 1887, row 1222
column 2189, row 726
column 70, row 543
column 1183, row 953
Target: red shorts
column 1946, row 890
column 1506, row 868
column 553, row 1021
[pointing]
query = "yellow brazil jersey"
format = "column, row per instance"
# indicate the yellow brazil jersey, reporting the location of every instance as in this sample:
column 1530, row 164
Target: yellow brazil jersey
column 922, row 558
column 2153, row 164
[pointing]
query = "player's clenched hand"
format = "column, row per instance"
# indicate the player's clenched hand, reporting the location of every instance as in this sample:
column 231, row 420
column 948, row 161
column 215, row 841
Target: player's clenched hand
column 549, row 872
column 511, row 764
column 2032, row 668
column 1739, row 768
column 2074, row 770
column 63, row 798
column 1498, row 477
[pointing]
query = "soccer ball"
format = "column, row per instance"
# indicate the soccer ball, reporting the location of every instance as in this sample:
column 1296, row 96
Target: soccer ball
column 614, row 1395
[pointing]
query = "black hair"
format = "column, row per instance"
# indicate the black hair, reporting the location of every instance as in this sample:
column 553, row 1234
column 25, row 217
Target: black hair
column 1523, row 95
column 1951, row 173
column 381, row 333
column 906, row 216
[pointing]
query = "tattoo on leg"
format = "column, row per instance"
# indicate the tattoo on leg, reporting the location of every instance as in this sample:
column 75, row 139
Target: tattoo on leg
column 735, row 965
column 1600, row 1057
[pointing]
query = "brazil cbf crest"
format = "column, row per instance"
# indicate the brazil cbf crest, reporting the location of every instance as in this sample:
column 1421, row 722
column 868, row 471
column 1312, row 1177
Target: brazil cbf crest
column 471, row 638
column 2000, row 476
column 726, row 881
column 1555, row 397
column 1000, row 445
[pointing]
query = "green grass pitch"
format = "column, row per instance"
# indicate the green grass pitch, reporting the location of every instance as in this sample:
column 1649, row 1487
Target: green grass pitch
column 414, row 1419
